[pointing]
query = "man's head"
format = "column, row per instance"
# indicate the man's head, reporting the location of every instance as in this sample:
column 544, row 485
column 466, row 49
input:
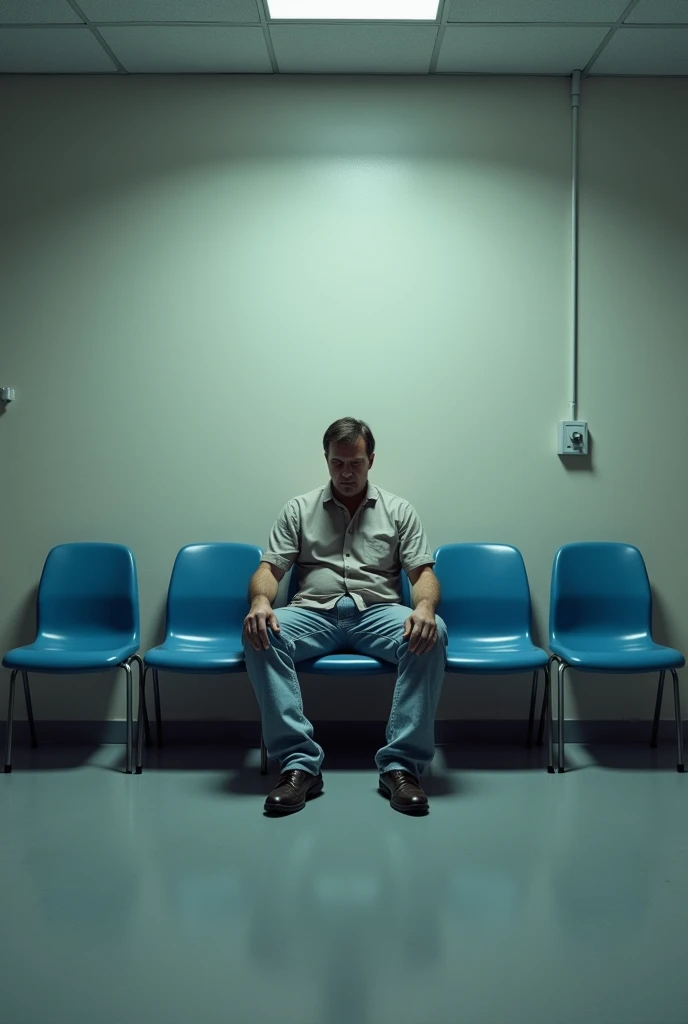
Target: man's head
column 349, row 450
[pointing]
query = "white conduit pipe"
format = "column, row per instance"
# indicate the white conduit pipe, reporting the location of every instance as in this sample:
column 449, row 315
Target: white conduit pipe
column 575, row 104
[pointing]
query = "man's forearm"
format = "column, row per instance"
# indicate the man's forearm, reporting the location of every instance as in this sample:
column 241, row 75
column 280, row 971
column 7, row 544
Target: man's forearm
column 426, row 590
column 263, row 585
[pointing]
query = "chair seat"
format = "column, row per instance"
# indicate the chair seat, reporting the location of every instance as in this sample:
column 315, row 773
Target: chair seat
column 602, row 654
column 494, row 658
column 346, row 663
column 77, row 654
column 222, row 654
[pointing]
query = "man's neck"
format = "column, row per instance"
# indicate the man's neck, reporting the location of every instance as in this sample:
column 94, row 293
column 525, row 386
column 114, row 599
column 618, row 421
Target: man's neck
column 351, row 504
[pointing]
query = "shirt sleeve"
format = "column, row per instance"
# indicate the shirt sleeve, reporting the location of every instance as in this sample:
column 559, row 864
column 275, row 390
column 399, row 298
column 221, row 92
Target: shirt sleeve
column 284, row 542
column 414, row 548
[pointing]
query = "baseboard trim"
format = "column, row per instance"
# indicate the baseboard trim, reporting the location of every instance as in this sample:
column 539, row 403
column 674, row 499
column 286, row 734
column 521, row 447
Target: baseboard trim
column 344, row 733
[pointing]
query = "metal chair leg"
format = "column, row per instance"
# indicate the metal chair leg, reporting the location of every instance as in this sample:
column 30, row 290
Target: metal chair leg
column 531, row 714
column 263, row 756
column 10, row 720
column 543, row 710
column 658, row 708
column 550, row 731
column 126, row 665
column 679, row 722
column 142, row 721
column 547, row 710
column 158, row 713
column 560, row 715
column 142, row 696
column 29, row 708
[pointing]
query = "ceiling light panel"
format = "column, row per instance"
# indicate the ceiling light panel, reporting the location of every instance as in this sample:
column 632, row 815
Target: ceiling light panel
column 353, row 10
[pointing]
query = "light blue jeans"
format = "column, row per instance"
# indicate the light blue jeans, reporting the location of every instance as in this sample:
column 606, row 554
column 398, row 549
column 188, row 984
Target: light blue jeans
column 377, row 632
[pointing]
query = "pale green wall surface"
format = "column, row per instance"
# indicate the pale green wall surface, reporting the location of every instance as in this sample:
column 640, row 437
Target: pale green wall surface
column 200, row 273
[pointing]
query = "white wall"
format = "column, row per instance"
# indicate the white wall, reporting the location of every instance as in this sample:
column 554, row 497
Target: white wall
column 200, row 273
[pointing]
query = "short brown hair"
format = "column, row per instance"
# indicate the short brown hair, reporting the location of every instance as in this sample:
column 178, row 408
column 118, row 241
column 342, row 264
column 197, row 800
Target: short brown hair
column 348, row 430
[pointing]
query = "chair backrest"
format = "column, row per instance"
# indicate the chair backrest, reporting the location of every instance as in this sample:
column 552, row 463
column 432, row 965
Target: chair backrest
column 602, row 587
column 294, row 586
column 485, row 591
column 208, row 592
column 89, row 588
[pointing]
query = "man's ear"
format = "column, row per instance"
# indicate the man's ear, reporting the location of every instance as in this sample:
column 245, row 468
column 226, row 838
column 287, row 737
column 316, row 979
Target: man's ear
column 371, row 459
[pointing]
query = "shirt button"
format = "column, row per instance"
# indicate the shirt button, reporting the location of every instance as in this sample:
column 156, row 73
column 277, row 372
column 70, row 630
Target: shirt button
column 347, row 554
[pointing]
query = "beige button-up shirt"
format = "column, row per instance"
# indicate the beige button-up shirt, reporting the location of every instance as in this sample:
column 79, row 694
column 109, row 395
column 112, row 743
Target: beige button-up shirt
column 337, row 554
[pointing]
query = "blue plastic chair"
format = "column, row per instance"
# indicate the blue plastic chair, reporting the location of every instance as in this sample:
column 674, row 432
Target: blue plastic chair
column 207, row 601
column 486, row 606
column 342, row 663
column 88, row 621
column 601, row 621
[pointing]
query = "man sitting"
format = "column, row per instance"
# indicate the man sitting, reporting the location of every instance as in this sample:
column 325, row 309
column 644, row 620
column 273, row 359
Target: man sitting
column 349, row 541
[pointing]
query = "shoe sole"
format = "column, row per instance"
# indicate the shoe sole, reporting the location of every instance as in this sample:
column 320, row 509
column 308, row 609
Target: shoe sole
column 402, row 808
column 281, row 811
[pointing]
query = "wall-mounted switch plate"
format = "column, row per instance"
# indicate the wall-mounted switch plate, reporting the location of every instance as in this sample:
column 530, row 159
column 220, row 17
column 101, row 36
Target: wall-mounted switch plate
column 573, row 437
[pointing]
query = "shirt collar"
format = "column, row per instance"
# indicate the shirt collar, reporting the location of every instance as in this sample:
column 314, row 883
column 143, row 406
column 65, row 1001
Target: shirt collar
column 371, row 493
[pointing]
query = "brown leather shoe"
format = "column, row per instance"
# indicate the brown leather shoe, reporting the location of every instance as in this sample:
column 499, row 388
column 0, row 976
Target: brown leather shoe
column 291, row 792
column 404, row 792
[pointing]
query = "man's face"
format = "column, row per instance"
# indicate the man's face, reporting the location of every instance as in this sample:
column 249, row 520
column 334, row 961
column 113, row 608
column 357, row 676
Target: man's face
column 348, row 465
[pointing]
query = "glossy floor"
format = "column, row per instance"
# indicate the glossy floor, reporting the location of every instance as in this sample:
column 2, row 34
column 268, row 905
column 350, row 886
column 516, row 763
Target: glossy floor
column 521, row 898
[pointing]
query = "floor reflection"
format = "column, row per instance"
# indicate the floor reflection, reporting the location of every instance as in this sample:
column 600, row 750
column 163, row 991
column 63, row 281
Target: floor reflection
column 170, row 897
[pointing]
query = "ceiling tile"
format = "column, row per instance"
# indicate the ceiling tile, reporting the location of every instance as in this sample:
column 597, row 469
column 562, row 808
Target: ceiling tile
column 52, row 51
column 354, row 49
column 171, row 10
column 658, row 12
column 520, row 50
column 196, row 48
column 536, row 10
column 37, row 12
column 644, row 51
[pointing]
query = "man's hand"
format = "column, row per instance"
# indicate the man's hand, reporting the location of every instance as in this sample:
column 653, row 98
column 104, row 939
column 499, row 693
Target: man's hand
column 421, row 627
column 256, row 624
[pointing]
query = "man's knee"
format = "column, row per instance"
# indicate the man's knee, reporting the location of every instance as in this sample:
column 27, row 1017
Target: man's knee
column 275, row 640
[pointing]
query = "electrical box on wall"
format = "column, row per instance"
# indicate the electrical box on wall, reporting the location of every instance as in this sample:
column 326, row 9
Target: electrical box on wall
column 573, row 437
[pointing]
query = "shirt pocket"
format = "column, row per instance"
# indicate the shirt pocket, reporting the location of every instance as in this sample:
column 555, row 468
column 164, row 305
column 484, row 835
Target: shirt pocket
column 381, row 552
